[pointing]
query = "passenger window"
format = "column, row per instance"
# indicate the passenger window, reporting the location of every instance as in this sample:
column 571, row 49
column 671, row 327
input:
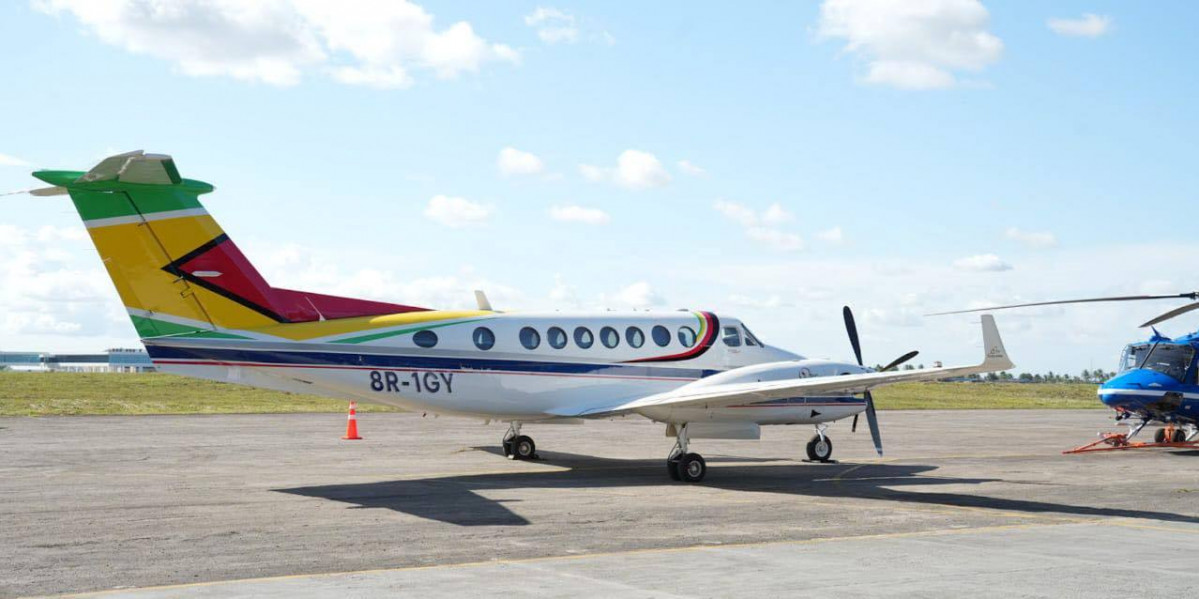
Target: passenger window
column 635, row 337
column 687, row 336
column 609, row 337
column 661, row 335
column 583, row 337
column 732, row 337
column 425, row 338
column 556, row 337
column 530, row 338
column 484, row 339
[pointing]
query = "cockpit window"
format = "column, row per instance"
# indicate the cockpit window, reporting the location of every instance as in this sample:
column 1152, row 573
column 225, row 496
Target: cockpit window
column 1170, row 359
column 1134, row 356
column 750, row 340
column 731, row 337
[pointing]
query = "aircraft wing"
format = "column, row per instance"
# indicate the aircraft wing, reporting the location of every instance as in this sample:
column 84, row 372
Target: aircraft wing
column 995, row 359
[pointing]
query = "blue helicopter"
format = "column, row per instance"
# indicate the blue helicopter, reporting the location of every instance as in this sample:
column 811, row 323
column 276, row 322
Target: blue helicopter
column 1156, row 381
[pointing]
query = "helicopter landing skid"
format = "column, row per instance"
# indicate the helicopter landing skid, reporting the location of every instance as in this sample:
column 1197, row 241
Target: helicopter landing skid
column 1118, row 441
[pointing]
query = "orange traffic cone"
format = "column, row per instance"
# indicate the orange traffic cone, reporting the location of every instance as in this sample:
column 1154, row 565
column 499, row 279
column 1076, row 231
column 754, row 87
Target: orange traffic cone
column 352, row 423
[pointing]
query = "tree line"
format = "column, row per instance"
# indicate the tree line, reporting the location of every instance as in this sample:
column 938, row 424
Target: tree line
column 1087, row 376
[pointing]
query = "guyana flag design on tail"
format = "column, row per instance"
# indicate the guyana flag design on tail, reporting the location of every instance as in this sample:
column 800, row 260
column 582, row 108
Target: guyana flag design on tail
column 174, row 267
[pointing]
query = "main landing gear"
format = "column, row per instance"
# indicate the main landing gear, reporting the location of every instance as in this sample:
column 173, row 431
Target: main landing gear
column 518, row 446
column 820, row 448
column 682, row 465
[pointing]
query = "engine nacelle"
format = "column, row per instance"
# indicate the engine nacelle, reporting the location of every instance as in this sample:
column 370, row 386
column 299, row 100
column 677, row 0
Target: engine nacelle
column 779, row 371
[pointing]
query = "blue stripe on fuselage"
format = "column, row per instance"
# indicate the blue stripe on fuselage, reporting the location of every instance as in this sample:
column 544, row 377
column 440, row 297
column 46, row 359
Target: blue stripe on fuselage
column 360, row 360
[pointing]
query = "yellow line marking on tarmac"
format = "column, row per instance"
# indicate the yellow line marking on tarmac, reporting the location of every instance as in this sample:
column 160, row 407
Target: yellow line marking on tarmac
column 581, row 556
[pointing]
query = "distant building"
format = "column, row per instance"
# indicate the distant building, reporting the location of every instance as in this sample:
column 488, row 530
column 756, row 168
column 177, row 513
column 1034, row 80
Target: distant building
column 113, row 360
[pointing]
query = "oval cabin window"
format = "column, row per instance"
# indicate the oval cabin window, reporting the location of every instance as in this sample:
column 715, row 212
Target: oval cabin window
column 661, row 335
column 425, row 338
column 484, row 339
column 634, row 336
column 687, row 336
column 583, row 337
column 609, row 337
column 556, row 337
column 530, row 338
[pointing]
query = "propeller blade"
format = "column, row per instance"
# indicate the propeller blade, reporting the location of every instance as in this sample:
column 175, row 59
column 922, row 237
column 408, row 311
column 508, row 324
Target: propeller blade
column 1172, row 313
column 1191, row 295
column 872, row 420
column 854, row 428
column 852, row 329
column 900, row 360
column 39, row 191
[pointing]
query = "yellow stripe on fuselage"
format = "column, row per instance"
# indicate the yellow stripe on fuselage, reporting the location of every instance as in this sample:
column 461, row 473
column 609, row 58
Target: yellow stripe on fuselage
column 364, row 325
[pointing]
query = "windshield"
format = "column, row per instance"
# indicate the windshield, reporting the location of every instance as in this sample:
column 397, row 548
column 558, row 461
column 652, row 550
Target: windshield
column 1169, row 359
column 1134, row 356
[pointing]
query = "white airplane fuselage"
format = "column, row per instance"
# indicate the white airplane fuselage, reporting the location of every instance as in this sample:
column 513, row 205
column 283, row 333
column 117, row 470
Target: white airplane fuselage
column 524, row 366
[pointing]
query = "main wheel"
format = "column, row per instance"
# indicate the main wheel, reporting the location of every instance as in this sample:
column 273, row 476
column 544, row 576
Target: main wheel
column 672, row 468
column 692, row 468
column 820, row 449
column 1180, row 436
column 1159, row 436
column 507, row 443
column 523, row 448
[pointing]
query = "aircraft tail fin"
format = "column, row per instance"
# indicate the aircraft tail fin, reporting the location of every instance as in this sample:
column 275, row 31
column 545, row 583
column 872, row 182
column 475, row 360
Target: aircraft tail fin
column 174, row 267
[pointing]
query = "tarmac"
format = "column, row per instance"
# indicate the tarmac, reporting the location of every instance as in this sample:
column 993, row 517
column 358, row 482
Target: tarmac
column 980, row 503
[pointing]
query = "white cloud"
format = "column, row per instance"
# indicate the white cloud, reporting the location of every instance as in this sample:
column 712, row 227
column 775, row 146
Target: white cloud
column 776, row 239
column 512, row 161
column 834, row 235
column 457, row 212
column 553, row 26
column 637, row 295
column 579, row 214
column 687, row 167
column 376, row 43
column 759, row 303
column 762, row 227
column 7, row 160
column 562, row 293
column 634, row 169
column 1088, row 25
column 1032, row 239
column 914, row 44
column 982, row 263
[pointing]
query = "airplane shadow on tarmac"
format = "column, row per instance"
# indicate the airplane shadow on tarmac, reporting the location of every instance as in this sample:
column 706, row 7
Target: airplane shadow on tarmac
column 454, row 499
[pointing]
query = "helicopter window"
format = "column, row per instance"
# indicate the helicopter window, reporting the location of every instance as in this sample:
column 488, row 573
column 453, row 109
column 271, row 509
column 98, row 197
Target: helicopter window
column 750, row 340
column 731, row 337
column 1170, row 359
column 1134, row 356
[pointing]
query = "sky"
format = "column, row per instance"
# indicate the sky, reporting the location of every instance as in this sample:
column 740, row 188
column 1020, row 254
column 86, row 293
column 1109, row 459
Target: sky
column 771, row 161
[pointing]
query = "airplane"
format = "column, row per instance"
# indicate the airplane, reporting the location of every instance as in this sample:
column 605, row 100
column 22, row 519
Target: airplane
column 202, row 310
column 1156, row 380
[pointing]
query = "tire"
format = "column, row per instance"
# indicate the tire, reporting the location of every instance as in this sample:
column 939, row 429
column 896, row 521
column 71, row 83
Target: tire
column 820, row 450
column 1180, row 436
column 672, row 468
column 1159, row 436
column 692, row 468
column 507, row 443
column 524, row 448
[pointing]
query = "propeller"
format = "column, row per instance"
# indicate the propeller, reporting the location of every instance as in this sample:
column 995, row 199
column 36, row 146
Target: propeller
column 1191, row 295
column 871, row 416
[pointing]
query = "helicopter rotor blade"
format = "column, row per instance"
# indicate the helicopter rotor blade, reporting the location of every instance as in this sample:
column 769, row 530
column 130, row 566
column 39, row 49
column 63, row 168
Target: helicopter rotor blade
column 852, row 329
column 899, row 360
column 1172, row 313
column 1192, row 295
